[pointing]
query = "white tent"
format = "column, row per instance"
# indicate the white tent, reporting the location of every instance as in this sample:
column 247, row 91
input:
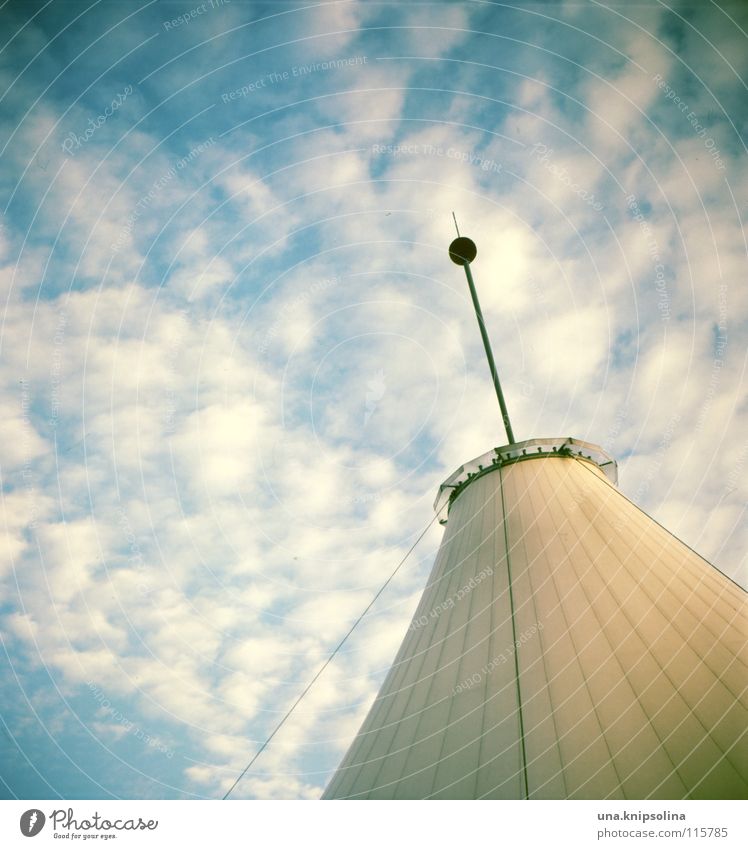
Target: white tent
column 566, row 646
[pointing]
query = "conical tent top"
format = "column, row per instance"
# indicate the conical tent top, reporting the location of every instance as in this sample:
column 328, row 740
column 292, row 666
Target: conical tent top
column 566, row 646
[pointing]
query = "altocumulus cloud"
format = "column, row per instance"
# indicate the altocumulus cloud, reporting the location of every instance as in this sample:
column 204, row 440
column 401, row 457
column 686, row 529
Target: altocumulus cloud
column 237, row 362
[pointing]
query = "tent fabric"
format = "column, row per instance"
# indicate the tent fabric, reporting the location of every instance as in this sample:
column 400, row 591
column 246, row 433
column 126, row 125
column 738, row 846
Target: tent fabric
column 565, row 646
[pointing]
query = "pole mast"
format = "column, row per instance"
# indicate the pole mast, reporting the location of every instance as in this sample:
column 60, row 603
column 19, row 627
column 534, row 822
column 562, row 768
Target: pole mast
column 462, row 252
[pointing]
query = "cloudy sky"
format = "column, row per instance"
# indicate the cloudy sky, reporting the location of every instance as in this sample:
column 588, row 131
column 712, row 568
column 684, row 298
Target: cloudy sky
column 237, row 361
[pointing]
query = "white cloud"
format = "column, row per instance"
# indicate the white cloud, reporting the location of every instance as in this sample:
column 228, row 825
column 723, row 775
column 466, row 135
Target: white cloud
column 219, row 442
column 232, row 438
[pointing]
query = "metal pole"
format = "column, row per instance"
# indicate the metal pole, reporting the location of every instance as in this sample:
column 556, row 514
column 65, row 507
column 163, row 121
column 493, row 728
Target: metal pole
column 489, row 354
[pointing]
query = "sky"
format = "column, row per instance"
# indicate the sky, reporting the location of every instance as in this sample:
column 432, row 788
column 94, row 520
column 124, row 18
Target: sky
column 236, row 361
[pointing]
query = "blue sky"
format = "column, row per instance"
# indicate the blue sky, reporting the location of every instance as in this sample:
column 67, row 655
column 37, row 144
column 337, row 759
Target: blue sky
column 237, row 361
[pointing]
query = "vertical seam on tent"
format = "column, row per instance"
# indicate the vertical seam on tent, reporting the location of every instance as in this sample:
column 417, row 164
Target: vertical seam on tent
column 484, row 535
column 496, row 536
column 514, row 636
column 375, row 723
column 584, row 687
column 548, row 499
column 457, row 570
column 691, row 708
column 663, row 528
column 716, row 764
column 491, row 512
column 397, row 724
column 452, row 575
column 423, row 657
column 666, row 586
column 546, row 671
column 624, row 568
column 708, row 580
column 392, row 687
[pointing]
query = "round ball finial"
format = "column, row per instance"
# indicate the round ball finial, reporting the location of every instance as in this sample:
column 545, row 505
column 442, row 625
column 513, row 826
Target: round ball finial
column 462, row 251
